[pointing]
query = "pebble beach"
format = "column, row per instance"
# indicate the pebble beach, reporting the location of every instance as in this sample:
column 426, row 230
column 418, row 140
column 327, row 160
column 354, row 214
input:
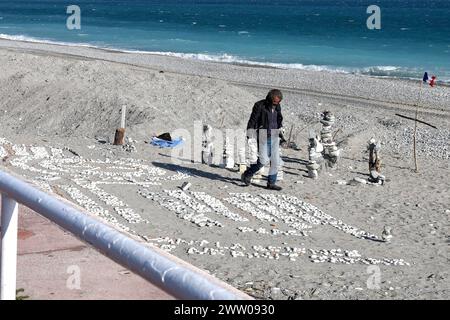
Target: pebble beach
column 317, row 239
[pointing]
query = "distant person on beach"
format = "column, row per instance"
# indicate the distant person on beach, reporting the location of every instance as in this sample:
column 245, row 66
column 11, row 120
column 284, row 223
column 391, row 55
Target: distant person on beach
column 264, row 126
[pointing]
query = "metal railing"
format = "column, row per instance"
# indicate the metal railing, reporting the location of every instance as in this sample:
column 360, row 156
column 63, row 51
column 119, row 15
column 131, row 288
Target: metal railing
column 174, row 276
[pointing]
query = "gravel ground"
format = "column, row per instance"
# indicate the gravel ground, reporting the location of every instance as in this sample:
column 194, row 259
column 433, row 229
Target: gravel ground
column 58, row 114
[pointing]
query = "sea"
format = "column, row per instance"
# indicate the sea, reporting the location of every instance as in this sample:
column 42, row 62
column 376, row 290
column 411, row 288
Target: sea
column 404, row 38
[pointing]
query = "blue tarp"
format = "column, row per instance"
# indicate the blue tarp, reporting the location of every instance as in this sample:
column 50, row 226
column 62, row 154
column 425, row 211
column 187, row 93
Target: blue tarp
column 166, row 144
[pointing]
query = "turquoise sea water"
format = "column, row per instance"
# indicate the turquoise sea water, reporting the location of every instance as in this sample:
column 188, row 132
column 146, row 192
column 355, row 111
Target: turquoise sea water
column 305, row 34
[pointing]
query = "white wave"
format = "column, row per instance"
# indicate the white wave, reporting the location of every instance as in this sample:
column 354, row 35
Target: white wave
column 378, row 71
column 45, row 41
column 226, row 58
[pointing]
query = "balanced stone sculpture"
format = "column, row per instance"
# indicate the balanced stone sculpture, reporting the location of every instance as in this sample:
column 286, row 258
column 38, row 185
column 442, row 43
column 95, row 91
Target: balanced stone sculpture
column 375, row 162
column 331, row 153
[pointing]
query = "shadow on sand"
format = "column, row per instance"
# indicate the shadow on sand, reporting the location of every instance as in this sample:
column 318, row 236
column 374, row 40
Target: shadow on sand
column 198, row 173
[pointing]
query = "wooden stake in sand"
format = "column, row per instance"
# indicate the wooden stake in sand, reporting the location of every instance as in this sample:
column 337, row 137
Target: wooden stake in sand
column 415, row 128
column 432, row 83
column 119, row 138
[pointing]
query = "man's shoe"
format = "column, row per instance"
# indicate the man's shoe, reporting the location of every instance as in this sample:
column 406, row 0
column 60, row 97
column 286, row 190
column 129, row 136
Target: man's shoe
column 272, row 186
column 246, row 179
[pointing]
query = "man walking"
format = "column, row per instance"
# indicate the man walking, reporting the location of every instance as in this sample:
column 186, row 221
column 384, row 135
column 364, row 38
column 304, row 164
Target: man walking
column 264, row 125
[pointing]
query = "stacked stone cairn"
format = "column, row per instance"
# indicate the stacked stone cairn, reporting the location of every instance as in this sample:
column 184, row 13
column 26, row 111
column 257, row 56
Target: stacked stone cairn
column 315, row 156
column 375, row 163
column 331, row 152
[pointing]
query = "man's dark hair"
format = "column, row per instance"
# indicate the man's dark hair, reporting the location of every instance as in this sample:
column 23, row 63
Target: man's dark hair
column 274, row 93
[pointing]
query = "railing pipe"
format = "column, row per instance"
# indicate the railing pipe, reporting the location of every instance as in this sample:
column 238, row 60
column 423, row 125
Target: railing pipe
column 172, row 275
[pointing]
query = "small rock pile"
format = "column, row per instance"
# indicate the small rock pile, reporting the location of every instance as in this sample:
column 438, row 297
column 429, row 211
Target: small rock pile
column 315, row 156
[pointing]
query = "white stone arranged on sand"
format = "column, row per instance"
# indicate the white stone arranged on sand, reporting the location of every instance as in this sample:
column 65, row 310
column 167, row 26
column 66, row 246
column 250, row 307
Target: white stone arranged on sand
column 128, row 171
column 4, row 141
column 3, row 153
column 313, row 215
column 52, row 165
column 292, row 209
column 351, row 257
column 92, row 207
column 39, row 152
column 119, row 206
column 263, row 205
column 189, row 210
column 57, row 152
column 180, row 175
column 187, row 200
column 20, row 150
column 49, row 165
column 217, row 206
column 247, row 207
column 274, row 232
column 273, row 252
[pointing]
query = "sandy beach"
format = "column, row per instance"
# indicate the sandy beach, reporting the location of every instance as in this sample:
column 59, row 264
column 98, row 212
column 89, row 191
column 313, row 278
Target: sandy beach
column 60, row 107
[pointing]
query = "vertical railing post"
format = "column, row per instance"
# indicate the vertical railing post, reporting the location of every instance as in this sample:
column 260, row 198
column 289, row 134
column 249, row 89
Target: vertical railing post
column 9, row 220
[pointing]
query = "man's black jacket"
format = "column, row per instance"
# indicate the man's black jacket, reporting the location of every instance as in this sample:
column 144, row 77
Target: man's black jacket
column 259, row 118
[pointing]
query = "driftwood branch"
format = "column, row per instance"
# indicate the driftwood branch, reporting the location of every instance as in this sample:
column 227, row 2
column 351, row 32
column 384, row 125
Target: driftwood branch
column 401, row 116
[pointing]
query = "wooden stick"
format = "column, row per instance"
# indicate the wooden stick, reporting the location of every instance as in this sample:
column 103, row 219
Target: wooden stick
column 415, row 128
column 420, row 121
column 415, row 142
column 290, row 135
column 336, row 133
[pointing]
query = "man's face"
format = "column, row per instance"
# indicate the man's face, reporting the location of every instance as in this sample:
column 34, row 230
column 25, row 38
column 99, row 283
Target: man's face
column 276, row 101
